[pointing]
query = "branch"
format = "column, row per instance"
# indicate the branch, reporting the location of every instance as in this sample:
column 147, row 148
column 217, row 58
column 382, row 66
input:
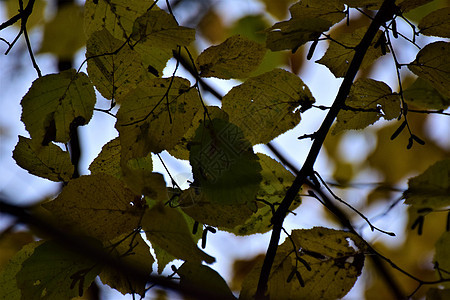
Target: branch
column 385, row 13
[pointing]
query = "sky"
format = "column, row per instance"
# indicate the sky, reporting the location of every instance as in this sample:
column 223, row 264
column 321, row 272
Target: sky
column 17, row 75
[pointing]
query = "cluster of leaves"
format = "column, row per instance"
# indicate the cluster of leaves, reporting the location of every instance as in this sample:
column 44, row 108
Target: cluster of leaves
column 235, row 189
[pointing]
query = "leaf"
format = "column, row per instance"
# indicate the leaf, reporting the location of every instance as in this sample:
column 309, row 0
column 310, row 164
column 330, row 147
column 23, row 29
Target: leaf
column 366, row 99
column 166, row 106
column 309, row 19
column 11, row 242
column 438, row 294
column 108, row 160
column 44, row 161
column 11, row 7
column 144, row 182
column 196, row 205
column 8, row 283
column 167, row 228
column 223, row 163
column 265, row 106
column 181, row 150
column 133, row 251
column 337, row 58
column 430, row 189
column 62, row 35
column 237, row 57
column 276, row 181
column 436, row 23
column 432, row 63
column 55, row 272
column 156, row 27
column 117, row 16
column 441, row 255
column 55, row 101
column 163, row 258
column 422, row 94
column 114, row 74
column 201, row 277
column 97, row 205
column 335, row 266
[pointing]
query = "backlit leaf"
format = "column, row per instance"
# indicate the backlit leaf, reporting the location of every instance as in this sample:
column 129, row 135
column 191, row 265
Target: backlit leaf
column 422, row 94
column 108, row 160
column 44, row 161
column 337, row 58
column 335, row 266
column 441, row 255
column 155, row 116
column 54, row 272
column 438, row 294
column 195, row 275
column 223, row 163
column 431, row 189
column 97, row 205
column 54, row 101
column 368, row 100
column 117, row 16
column 114, row 74
column 133, row 251
column 8, row 283
column 267, row 105
column 273, row 187
column 237, row 57
column 167, row 228
column 433, row 64
column 437, row 23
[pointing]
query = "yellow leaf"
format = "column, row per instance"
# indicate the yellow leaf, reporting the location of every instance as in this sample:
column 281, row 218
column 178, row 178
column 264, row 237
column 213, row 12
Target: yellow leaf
column 98, row 205
column 117, row 16
column 334, row 266
column 441, row 255
column 433, row 64
column 431, row 189
column 438, row 294
column 261, row 111
column 56, row 101
column 167, row 228
column 44, row 161
column 278, row 8
column 337, row 58
column 133, row 251
column 437, row 23
column 11, row 243
column 422, row 94
column 62, row 35
column 108, row 161
column 36, row 18
column 363, row 106
column 114, row 74
column 237, row 57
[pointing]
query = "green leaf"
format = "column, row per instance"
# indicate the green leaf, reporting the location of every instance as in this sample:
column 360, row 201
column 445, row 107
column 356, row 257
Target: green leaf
column 422, row 94
column 44, row 161
column 201, row 277
column 156, row 27
column 223, row 163
column 55, row 272
column 97, row 205
column 368, row 100
column 273, row 187
column 309, row 19
column 65, row 29
column 436, row 23
column 8, row 283
column 441, row 255
column 266, row 106
column 167, row 228
column 337, row 58
column 237, row 57
column 431, row 189
column 163, row 258
column 334, row 266
column 181, row 149
column 166, row 105
column 433, row 64
column 133, row 251
column 117, row 16
column 55, row 101
column 108, row 160
column 114, row 74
